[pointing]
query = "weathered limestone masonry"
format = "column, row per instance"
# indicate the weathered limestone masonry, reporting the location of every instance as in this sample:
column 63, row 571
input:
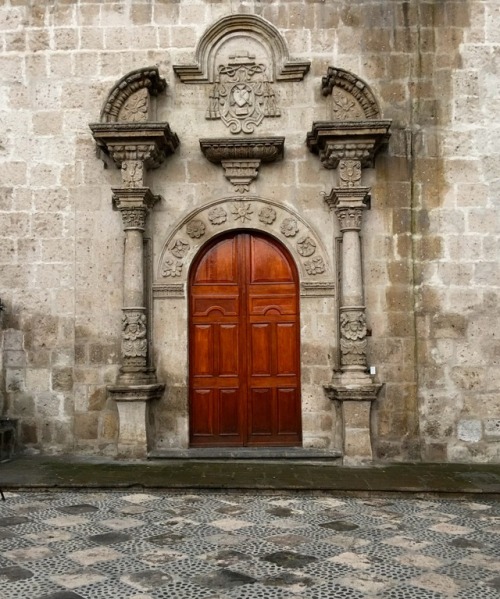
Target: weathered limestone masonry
column 396, row 242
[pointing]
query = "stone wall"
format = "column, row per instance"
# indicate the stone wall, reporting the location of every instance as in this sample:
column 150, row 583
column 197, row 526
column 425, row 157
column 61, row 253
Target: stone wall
column 430, row 240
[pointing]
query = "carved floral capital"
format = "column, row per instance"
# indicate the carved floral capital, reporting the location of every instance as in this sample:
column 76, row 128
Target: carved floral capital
column 134, row 205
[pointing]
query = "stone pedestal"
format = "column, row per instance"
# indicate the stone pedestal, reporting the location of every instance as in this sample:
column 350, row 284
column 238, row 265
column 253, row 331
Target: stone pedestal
column 356, row 402
column 132, row 402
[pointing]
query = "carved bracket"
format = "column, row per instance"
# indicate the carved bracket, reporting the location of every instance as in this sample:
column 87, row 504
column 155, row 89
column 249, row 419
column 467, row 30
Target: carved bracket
column 149, row 143
column 241, row 158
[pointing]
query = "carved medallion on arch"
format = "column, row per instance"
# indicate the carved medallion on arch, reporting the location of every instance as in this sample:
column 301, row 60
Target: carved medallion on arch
column 256, row 213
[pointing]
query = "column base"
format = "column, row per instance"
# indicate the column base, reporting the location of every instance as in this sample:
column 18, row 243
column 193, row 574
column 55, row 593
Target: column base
column 132, row 401
column 357, row 395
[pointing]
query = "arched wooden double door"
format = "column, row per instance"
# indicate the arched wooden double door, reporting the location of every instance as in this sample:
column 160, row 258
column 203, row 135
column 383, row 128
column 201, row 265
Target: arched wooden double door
column 244, row 344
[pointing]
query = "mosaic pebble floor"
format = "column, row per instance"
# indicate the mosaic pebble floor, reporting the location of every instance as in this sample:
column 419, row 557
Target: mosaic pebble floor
column 168, row 545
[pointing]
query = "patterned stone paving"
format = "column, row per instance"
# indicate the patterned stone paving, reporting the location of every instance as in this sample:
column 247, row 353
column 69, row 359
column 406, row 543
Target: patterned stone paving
column 102, row 545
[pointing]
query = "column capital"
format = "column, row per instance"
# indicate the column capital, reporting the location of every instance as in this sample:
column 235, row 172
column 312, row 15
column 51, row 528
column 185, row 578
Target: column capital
column 134, row 205
column 348, row 197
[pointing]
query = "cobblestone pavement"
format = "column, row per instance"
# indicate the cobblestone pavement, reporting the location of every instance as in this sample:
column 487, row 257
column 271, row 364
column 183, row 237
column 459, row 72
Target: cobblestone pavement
column 154, row 545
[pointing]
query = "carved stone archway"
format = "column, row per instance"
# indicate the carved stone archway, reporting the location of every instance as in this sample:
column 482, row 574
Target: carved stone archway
column 253, row 212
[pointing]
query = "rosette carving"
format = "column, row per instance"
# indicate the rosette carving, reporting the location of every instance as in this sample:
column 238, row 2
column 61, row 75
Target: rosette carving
column 306, row 246
column 242, row 211
column 196, row 229
column 179, row 248
column 289, row 227
column 267, row 215
column 172, row 268
column 217, row 216
column 315, row 266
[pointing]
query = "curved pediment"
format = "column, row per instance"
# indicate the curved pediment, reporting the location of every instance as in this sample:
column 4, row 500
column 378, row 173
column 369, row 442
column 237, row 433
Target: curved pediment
column 228, row 36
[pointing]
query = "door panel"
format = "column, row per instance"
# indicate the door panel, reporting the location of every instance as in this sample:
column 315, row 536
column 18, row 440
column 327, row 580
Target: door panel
column 244, row 345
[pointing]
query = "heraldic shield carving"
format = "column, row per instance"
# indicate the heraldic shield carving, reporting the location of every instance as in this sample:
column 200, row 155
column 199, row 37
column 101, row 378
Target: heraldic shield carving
column 242, row 95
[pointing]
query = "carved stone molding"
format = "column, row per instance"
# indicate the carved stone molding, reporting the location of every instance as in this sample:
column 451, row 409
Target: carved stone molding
column 232, row 33
column 317, row 289
column 352, row 99
column 353, row 336
column 241, row 158
column 128, row 101
column 347, row 140
column 166, row 290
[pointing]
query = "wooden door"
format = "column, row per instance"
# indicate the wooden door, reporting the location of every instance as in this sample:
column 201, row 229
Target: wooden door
column 244, row 345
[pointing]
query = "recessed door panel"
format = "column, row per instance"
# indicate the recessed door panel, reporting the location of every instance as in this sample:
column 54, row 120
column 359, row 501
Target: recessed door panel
column 244, row 344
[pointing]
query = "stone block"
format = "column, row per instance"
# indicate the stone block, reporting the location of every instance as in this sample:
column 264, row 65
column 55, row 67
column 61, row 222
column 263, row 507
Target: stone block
column 492, row 429
column 62, row 379
column 470, row 431
column 86, row 426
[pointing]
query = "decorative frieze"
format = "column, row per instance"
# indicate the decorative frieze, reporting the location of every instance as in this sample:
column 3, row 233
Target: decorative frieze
column 351, row 96
column 179, row 248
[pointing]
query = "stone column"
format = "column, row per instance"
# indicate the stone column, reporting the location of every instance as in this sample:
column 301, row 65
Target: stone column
column 353, row 386
column 127, row 137
column 136, row 384
column 348, row 147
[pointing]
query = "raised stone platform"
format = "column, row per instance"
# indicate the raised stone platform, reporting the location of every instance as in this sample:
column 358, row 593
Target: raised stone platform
column 246, row 453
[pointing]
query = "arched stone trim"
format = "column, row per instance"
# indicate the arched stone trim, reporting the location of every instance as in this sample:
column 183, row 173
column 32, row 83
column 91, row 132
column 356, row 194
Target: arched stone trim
column 128, row 100
column 197, row 228
column 352, row 98
column 242, row 26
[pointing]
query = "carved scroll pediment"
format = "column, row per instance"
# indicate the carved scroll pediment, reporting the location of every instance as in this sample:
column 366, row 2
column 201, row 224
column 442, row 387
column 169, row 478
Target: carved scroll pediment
column 129, row 99
column 351, row 97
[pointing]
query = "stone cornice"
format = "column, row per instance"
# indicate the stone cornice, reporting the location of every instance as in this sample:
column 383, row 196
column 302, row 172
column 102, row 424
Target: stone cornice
column 348, row 140
column 264, row 149
column 149, row 143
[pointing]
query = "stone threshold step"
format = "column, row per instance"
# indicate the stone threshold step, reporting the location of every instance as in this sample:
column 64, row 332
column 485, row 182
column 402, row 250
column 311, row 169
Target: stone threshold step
column 245, row 453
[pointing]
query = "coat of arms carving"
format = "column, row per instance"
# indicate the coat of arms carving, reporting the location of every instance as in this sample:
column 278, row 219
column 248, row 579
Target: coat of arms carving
column 242, row 95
